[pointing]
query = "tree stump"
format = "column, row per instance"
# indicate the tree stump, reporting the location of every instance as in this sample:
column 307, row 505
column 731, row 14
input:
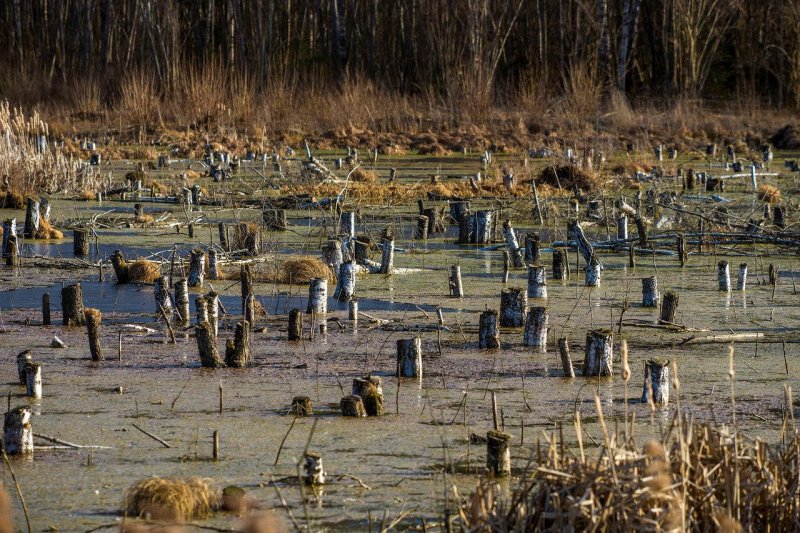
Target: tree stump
column 599, row 353
column 536, row 329
column 248, row 297
column 93, row 321
column 650, row 294
column 302, row 406
column 332, row 255
column 213, row 265
column 237, row 351
column 197, row 267
column 622, row 227
column 295, row 325
column 458, row 208
column 409, row 358
column 161, row 292
column 72, row 305
column 275, row 219
column 656, row 380
column 23, row 359
column 488, row 335
column 387, row 256
column 566, row 360
column 200, row 309
column 593, row 272
column 46, row 309
column 207, row 346
column 120, row 267
column 182, row 301
column 724, row 276
column 560, row 265
column 353, row 406
column 17, row 431
column 346, row 284
column 31, row 219
column 9, row 230
column 680, row 244
column 317, row 296
column 212, row 306
column 537, row 282
column 532, row 248
column 348, row 224
column 80, row 242
column 313, row 473
column 498, row 453
column 669, row 306
column 741, row 281
column 512, row 245
column 454, row 282
column 33, row 380
column 513, row 307
column 421, row 231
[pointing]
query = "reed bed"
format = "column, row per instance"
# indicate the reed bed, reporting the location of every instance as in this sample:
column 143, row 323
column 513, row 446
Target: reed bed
column 171, row 499
column 698, row 478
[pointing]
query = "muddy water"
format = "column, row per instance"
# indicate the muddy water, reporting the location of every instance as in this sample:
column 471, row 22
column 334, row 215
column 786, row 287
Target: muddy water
column 412, row 458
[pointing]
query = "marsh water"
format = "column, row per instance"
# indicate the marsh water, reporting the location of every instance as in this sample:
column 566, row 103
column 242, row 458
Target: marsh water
column 417, row 460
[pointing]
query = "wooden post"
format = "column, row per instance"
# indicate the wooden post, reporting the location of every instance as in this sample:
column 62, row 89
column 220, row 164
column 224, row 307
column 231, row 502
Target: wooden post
column 435, row 224
column 352, row 310
column 31, row 219
column 482, row 228
column 421, row 231
column 197, row 267
column 599, row 353
column 689, row 181
column 387, row 256
column 772, row 275
column 182, row 301
column 46, row 309
column 506, row 265
column 532, row 248
column 488, row 335
column 454, row 282
column 200, row 309
column 313, row 473
column 680, row 244
column 566, row 360
column 302, row 406
column 80, row 242
column 669, row 306
column 317, row 296
column 458, row 208
column 72, row 305
column 656, row 380
column 348, row 224
column 650, row 294
column 207, row 346
column 741, row 281
column 346, row 283
column 409, row 358
column 352, row 406
column 512, row 245
column 537, row 282
column 9, row 230
column 724, row 276
column 332, row 255
column 360, row 252
column 513, row 307
column 295, row 325
column 536, row 329
column 17, row 431
column 163, row 301
column 223, row 237
column 212, row 305
column 93, row 321
column 498, row 453
column 631, row 256
column 371, row 393
column 248, row 297
column 641, row 229
column 23, row 359
column 213, row 265
column 33, row 380
column 237, row 351
column 778, row 217
column 465, row 230
column 560, row 265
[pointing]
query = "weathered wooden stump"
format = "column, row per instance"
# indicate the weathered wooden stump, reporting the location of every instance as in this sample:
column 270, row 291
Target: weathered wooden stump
column 498, row 453
column 213, row 265
column 93, row 322
column 622, row 227
column 352, row 310
column 533, row 251
column 248, row 296
column 9, row 230
column 656, row 380
column 275, row 219
column 566, row 360
column 560, row 265
column 332, row 255
column 295, row 332
column 182, row 301
column 31, row 219
column 421, row 231
column 223, row 236
column 23, row 358
column 72, row 305
column 650, row 294
column 161, row 293
column 361, row 251
column 513, row 306
column 680, row 244
column 772, row 275
column 387, row 256
column 741, row 281
column 599, row 353
column 207, row 346
column 33, row 380
column 778, row 217
column 17, row 431
column 594, row 271
column 724, row 276
column 237, row 350
column 200, row 309
column 197, row 267
column 409, row 358
column 302, row 406
column 481, row 227
column 348, row 224
column 488, row 333
column 371, row 393
column 346, row 283
column 454, row 282
column 80, row 242
column 669, row 306
column 317, row 296
column 46, row 309
column 512, row 245
column 353, row 406
column 247, row 238
column 313, row 473
column 537, row 282
column 120, row 267
column 536, row 328
column 458, row 208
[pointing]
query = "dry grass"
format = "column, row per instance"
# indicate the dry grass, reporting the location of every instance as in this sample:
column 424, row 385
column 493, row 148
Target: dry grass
column 92, row 312
column 364, row 176
column 569, row 177
column 47, row 231
column 299, row 269
column 171, row 499
column 144, row 219
column 87, row 196
column 11, row 200
column 143, row 271
column 769, row 194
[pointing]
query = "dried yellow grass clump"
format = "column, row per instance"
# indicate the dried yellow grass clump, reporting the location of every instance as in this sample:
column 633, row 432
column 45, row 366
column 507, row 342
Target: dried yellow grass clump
column 87, row 196
column 11, row 200
column 47, row 231
column 171, row 499
column 364, row 176
column 769, row 193
column 300, row 269
column 143, row 271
